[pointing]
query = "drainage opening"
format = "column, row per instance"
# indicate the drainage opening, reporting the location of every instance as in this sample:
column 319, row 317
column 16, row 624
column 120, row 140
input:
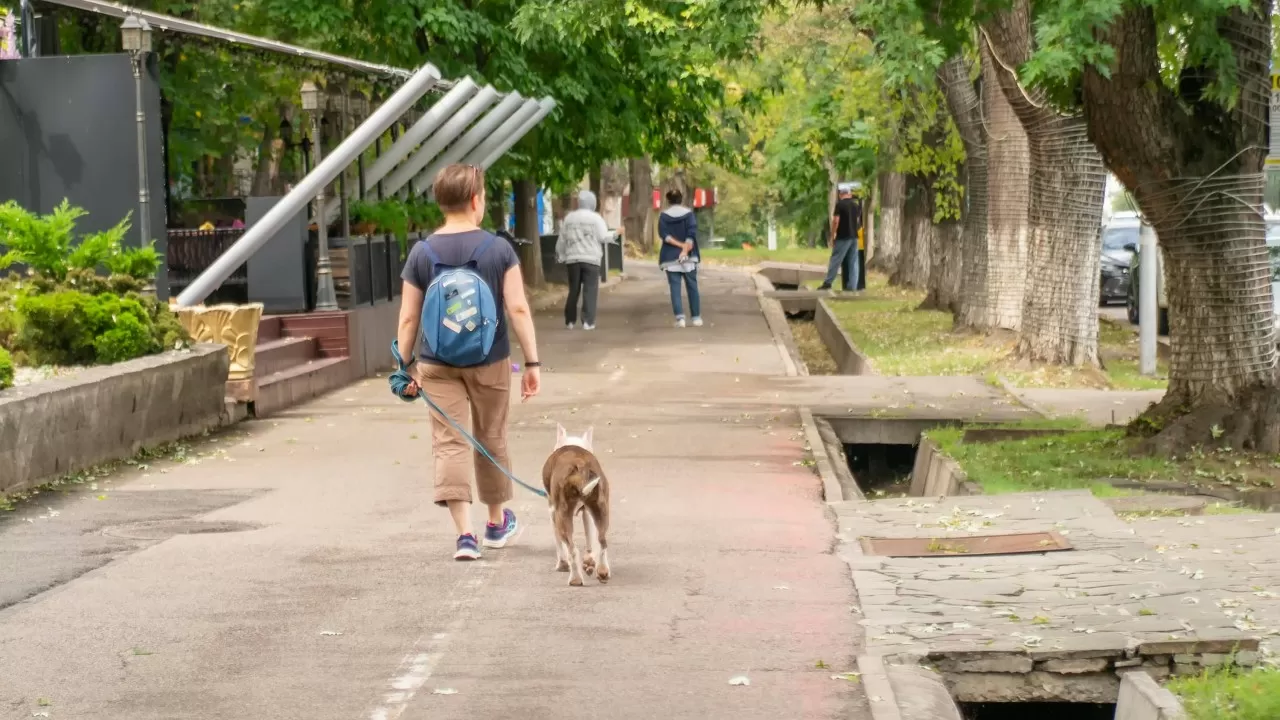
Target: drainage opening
column 1037, row 710
column 880, row 468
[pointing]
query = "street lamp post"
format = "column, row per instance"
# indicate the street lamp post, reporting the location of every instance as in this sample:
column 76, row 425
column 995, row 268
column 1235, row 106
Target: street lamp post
column 326, row 297
column 135, row 36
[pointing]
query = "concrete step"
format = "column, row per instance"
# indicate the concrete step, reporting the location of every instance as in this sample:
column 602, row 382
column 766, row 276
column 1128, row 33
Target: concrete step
column 330, row 331
column 291, row 386
column 279, row 354
column 269, row 328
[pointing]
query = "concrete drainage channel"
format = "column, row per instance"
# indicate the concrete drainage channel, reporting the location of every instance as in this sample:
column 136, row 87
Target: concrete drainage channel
column 880, row 457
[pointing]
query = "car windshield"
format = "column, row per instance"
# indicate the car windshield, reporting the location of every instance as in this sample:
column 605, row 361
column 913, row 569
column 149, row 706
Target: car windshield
column 1115, row 238
column 1273, row 248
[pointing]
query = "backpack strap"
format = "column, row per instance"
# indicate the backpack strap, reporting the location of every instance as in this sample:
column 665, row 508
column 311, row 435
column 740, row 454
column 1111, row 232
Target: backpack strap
column 483, row 247
column 431, row 253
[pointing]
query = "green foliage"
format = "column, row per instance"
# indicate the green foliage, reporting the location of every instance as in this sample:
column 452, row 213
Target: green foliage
column 74, row 327
column 41, row 242
column 128, row 339
column 6, row 369
column 1230, row 694
column 424, row 214
column 46, row 244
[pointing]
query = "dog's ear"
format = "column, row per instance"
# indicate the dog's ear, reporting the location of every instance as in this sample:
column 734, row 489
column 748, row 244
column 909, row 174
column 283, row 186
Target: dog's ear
column 561, row 435
column 586, row 437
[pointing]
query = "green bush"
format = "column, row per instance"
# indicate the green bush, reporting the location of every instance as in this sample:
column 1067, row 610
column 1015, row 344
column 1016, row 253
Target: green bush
column 6, row 369
column 45, row 243
column 69, row 327
column 129, row 339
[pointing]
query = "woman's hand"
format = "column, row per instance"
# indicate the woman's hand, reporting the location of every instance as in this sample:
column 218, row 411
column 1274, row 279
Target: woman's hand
column 688, row 246
column 411, row 390
column 530, row 383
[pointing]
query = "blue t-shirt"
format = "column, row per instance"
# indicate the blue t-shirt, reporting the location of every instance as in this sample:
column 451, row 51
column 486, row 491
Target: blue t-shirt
column 456, row 249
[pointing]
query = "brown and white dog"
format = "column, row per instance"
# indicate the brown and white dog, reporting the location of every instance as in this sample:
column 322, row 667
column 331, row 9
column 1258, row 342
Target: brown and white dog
column 575, row 483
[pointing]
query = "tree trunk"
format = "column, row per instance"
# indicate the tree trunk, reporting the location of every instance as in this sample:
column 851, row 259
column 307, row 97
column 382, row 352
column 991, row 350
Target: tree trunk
column 869, row 222
column 1195, row 169
column 526, row 212
column 917, row 232
column 965, row 105
column 889, row 239
column 997, row 268
column 833, row 178
column 636, row 224
column 1068, row 183
column 594, row 183
column 560, row 206
column 263, row 162
column 496, row 205
column 946, row 263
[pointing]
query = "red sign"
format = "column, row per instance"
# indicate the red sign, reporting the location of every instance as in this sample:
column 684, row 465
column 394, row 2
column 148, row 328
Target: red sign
column 657, row 199
column 699, row 198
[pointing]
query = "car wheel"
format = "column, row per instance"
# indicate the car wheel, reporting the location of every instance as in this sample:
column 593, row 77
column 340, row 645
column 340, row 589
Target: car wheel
column 1132, row 310
column 1163, row 326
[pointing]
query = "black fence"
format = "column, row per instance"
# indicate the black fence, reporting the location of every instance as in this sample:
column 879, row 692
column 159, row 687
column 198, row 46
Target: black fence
column 191, row 252
column 366, row 269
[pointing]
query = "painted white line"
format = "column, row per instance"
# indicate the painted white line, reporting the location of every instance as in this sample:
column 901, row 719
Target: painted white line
column 429, row 649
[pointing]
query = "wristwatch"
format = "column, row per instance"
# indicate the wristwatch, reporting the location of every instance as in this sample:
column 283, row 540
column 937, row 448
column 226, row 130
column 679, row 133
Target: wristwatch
column 535, row 363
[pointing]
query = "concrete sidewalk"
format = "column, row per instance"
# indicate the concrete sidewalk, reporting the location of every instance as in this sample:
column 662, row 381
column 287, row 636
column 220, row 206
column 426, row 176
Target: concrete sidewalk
column 332, row 593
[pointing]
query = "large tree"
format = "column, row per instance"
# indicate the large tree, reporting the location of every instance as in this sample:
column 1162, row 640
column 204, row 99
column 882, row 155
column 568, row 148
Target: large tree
column 1067, row 185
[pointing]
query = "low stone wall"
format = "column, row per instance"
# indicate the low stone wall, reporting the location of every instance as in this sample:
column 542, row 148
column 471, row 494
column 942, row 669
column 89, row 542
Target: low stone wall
column 849, row 360
column 1142, row 699
column 936, row 474
column 1088, row 672
column 107, row 413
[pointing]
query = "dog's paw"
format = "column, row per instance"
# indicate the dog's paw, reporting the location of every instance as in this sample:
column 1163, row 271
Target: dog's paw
column 562, row 566
column 603, row 575
column 589, row 565
column 575, row 582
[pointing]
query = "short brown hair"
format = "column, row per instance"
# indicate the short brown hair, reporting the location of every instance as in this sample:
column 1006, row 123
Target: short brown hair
column 455, row 186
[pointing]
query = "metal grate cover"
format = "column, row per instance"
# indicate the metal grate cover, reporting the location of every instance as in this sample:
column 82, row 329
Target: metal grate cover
column 1014, row 544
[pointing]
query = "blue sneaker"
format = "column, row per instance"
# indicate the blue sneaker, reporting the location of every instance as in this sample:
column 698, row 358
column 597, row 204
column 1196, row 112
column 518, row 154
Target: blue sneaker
column 467, row 548
column 496, row 536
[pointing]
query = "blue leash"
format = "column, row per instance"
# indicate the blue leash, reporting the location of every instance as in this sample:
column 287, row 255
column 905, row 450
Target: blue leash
column 400, row 380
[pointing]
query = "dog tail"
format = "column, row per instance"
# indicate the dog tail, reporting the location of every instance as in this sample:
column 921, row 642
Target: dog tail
column 588, row 478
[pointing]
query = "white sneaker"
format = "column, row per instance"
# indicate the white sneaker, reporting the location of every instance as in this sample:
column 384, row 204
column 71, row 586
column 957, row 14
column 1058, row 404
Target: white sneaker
column 588, row 326
column 568, row 326
column 680, row 322
column 697, row 321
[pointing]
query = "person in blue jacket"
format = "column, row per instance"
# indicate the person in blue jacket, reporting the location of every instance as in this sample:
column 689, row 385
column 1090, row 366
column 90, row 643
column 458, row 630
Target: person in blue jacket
column 679, row 258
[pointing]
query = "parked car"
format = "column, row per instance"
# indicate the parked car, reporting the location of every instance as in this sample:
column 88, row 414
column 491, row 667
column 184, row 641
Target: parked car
column 1120, row 232
column 1162, row 299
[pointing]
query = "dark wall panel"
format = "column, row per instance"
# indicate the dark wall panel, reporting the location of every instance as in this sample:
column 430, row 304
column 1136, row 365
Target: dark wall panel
column 68, row 130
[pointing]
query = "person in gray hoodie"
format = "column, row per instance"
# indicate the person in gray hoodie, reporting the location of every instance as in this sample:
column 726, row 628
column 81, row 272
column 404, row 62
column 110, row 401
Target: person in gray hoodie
column 580, row 249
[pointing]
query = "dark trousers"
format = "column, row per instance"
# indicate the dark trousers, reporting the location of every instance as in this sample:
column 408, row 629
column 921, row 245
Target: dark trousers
column 844, row 261
column 584, row 278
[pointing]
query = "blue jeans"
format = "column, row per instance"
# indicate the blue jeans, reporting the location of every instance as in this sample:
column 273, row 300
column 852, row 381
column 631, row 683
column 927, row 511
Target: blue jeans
column 844, row 256
column 690, row 282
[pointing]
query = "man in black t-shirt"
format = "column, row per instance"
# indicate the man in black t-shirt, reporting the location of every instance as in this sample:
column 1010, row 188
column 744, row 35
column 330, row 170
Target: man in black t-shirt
column 845, row 222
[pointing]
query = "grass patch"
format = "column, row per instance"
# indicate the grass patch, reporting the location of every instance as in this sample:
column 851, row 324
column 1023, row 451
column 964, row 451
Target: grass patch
column 739, row 257
column 1230, row 694
column 901, row 340
column 1086, row 458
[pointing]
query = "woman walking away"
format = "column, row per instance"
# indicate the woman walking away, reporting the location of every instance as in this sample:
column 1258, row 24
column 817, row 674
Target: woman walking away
column 458, row 330
column 679, row 256
column 580, row 248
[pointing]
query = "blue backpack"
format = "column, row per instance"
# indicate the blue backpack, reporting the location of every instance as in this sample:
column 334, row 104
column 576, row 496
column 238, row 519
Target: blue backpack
column 459, row 314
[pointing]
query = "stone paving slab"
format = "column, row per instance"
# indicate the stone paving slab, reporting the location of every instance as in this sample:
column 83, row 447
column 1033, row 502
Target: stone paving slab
column 1112, row 602
column 1239, row 554
column 1096, row 407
